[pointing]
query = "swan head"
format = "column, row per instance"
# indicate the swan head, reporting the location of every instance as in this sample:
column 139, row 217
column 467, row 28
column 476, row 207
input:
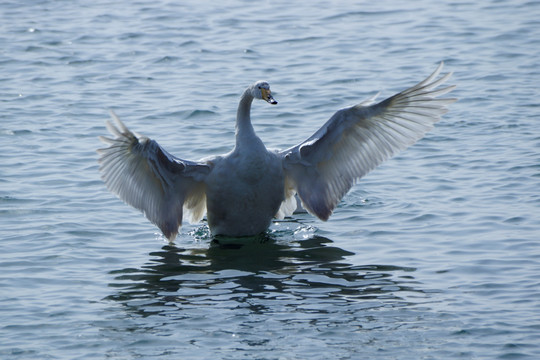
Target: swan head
column 261, row 90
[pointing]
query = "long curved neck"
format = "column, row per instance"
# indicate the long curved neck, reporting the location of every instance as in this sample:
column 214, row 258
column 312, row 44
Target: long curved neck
column 243, row 119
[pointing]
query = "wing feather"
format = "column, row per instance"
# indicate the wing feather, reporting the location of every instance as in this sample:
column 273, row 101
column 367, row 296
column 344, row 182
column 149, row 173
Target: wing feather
column 145, row 176
column 357, row 139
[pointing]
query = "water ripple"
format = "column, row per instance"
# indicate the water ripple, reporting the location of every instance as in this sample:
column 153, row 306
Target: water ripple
column 435, row 254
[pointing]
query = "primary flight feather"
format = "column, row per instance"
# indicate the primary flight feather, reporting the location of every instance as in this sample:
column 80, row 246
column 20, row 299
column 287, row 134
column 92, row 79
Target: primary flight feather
column 242, row 191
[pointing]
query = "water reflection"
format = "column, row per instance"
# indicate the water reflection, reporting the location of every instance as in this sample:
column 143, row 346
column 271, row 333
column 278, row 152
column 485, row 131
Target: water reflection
column 308, row 274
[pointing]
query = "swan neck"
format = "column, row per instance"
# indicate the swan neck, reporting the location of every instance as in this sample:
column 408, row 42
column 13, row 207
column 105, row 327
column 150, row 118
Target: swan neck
column 243, row 118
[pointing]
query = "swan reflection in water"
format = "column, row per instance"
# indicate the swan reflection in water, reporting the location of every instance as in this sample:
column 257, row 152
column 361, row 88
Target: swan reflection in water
column 310, row 273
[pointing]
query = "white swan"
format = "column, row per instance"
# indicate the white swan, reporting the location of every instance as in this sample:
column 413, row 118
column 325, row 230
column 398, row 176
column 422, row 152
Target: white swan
column 243, row 190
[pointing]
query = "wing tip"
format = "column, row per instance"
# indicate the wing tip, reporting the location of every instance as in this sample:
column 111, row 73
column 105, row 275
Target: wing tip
column 321, row 211
column 118, row 127
column 169, row 228
column 171, row 236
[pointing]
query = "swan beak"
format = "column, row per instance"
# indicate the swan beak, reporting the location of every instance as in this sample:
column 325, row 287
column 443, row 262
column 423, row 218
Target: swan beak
column 267, row 96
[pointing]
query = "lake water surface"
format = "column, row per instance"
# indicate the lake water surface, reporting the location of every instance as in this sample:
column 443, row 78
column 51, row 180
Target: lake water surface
column 434, row 255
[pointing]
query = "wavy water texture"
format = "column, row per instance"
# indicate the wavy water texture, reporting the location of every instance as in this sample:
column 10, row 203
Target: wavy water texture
column 434, row 255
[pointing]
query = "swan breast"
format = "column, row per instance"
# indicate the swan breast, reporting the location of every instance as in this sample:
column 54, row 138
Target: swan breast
column 244, row 193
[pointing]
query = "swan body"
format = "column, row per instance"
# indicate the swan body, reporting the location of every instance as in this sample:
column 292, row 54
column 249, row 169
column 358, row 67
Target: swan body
column 242, row 191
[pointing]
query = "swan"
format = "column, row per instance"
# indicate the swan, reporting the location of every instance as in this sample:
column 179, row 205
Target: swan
column 242, row 191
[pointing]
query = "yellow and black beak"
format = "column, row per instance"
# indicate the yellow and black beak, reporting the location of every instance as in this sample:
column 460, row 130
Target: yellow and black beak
column 267, row 96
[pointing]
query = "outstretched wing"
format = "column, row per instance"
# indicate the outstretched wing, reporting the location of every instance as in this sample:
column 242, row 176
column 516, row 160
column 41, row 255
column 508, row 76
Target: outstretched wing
column 145, row 176
column 357, row 139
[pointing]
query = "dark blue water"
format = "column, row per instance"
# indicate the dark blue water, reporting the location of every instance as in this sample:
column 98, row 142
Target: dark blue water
column 434, row 255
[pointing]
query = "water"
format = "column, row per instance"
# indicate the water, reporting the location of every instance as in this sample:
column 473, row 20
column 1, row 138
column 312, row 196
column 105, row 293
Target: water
column 434, row 255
